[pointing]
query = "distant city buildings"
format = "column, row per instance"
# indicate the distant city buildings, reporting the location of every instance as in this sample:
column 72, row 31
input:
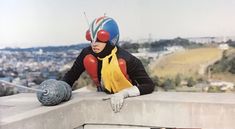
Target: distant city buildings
column 30, row 68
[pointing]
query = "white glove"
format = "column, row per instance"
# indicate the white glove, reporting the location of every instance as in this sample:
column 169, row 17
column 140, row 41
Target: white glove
column 117, row 99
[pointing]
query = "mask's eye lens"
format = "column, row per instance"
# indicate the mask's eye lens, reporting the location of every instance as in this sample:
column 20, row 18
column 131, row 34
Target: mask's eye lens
column 103, row 36
column 88, row 35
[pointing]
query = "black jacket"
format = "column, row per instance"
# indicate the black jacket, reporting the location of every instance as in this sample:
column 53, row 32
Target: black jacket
column 135, row 70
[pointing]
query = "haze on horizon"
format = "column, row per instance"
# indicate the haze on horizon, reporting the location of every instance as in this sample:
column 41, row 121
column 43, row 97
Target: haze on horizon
column 30, row 23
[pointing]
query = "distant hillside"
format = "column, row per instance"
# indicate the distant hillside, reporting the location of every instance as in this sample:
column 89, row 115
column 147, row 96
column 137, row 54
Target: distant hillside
column 188, row 63
column 159, row 45
column 51, row 48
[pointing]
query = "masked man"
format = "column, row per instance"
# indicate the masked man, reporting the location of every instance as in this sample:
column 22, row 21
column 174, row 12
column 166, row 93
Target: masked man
column 112, row 69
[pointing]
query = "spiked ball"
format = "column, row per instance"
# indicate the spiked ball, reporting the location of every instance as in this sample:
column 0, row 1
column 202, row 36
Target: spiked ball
column 68, row 90
column 54, row 93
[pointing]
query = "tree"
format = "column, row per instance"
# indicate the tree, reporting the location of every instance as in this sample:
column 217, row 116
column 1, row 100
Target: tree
column 2, row 90
column 177, row 80
column 156, row 81
column 229, row 41
column 232, row 69
column 131, row 47
column 191, row 82
column 168, row 84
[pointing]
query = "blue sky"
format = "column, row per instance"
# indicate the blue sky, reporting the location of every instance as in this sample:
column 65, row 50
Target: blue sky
column 26, row 23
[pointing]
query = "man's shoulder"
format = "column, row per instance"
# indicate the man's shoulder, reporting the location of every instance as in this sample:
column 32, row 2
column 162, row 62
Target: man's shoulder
column 122, row 52
column 125, row 54
column 87, row 50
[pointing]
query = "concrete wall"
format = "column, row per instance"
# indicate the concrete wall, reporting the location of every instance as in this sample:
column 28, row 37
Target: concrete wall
column 160, row 109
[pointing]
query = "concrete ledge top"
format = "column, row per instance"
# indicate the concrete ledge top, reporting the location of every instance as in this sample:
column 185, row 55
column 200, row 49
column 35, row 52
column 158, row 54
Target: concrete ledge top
column 23, row 102
column 25, row 106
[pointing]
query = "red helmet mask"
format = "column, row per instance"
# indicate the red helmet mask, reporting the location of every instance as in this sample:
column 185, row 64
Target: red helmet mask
column 103, row 29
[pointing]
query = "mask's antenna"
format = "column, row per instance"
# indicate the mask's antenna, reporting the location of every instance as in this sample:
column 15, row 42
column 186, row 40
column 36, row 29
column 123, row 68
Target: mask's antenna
column 88, row 26
column 87, row 20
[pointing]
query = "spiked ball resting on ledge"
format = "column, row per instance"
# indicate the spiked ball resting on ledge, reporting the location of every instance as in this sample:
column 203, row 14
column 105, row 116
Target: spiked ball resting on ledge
column 68, row 90
column 54, row 93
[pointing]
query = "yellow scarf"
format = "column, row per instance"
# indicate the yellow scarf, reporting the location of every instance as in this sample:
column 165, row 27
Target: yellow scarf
column 111, row 74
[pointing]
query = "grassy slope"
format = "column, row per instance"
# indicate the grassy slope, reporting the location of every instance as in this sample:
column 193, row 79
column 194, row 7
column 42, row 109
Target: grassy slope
column 187, row 62
column 224, row 76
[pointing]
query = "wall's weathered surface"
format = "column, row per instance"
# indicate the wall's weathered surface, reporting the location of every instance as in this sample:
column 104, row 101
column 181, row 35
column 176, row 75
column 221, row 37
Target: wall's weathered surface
column 161, row 109
column 113, row 127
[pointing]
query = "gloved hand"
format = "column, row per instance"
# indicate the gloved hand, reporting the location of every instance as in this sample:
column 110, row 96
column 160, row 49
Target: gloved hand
column 117, row 99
